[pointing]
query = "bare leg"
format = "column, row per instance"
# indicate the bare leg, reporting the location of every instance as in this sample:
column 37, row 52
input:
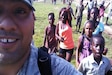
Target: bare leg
column 68, row 57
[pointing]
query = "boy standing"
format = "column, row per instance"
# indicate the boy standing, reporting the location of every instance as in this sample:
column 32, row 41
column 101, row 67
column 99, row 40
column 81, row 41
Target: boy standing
column 90, row 6
column 50, row 40
column 70, row 14
column 96, row 63
column 79, row 14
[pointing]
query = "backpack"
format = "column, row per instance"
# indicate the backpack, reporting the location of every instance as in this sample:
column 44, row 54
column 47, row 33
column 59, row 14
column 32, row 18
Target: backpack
column 44, row 61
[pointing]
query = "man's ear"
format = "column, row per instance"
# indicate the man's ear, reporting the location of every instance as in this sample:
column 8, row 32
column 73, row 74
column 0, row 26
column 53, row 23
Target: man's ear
column 34, row 16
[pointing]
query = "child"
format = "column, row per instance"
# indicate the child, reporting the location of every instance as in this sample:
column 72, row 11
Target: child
column 102, row 9
column 50, row 40
column 83, row 48
column 64, row 35
column 70, row 13
column 90, row 6
column 99, row 26
column 79, row 15
column 96, row 63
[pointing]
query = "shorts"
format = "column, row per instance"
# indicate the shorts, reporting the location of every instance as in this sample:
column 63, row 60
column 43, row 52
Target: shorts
column 63, row 51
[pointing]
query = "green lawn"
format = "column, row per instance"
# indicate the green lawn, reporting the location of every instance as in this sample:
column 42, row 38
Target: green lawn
column 42, row 10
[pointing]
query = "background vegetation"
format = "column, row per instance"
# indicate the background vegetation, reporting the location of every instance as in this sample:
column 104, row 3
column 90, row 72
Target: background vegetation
column 42, row 10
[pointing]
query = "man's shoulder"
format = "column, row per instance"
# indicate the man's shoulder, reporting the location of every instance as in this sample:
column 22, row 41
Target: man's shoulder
column 58, row 64
column 57, row 60
column 61, row 65
column 34, row 48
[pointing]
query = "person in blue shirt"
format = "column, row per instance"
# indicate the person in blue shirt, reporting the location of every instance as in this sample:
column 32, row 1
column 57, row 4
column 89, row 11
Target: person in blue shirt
column 17, row 55
column 99, row 26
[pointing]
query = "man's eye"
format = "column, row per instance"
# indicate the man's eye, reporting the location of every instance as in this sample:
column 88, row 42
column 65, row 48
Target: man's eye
column 20, row 11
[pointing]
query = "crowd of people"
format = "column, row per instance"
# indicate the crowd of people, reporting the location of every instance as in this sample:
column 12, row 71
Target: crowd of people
column 18, row 55
column 91, row 43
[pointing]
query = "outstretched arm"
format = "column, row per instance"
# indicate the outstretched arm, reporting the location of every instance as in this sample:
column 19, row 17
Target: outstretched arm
column 86, row 5
column 107, row 5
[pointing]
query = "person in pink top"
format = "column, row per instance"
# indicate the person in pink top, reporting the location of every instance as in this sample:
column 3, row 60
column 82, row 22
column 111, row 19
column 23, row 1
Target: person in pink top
column 83, row 48
column 64, row 35
column 102, row 9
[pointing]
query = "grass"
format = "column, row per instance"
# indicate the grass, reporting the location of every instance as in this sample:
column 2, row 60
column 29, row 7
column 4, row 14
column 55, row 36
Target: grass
column 42, row 10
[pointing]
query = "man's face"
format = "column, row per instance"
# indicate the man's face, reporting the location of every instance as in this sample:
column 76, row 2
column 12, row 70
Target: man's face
column 98, row 47
column 16, row 30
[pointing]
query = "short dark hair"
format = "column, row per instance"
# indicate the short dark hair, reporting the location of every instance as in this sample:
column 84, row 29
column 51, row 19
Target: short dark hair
column 52, row 14
column 98, row 36
column 62, row 9
column 96, row 10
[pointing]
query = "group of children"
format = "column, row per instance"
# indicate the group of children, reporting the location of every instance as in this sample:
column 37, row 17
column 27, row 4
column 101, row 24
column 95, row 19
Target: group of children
column 90, row 59
column 61, row 35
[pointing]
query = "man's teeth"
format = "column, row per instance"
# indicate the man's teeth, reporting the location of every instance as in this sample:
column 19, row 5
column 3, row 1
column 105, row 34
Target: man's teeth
column 7, row 40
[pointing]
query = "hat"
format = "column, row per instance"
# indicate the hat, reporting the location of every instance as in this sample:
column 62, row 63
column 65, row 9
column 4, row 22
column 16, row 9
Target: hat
column 29, row 3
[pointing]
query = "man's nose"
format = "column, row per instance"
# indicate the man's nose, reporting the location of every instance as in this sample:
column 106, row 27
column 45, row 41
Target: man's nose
column 7, row 24
column 98, row 49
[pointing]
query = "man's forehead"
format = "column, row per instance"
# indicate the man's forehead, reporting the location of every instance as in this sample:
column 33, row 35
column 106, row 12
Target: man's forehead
column 26, row 2
column 11, row 0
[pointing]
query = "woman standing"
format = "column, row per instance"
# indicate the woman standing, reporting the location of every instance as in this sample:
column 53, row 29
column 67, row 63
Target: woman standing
column 64, row 35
